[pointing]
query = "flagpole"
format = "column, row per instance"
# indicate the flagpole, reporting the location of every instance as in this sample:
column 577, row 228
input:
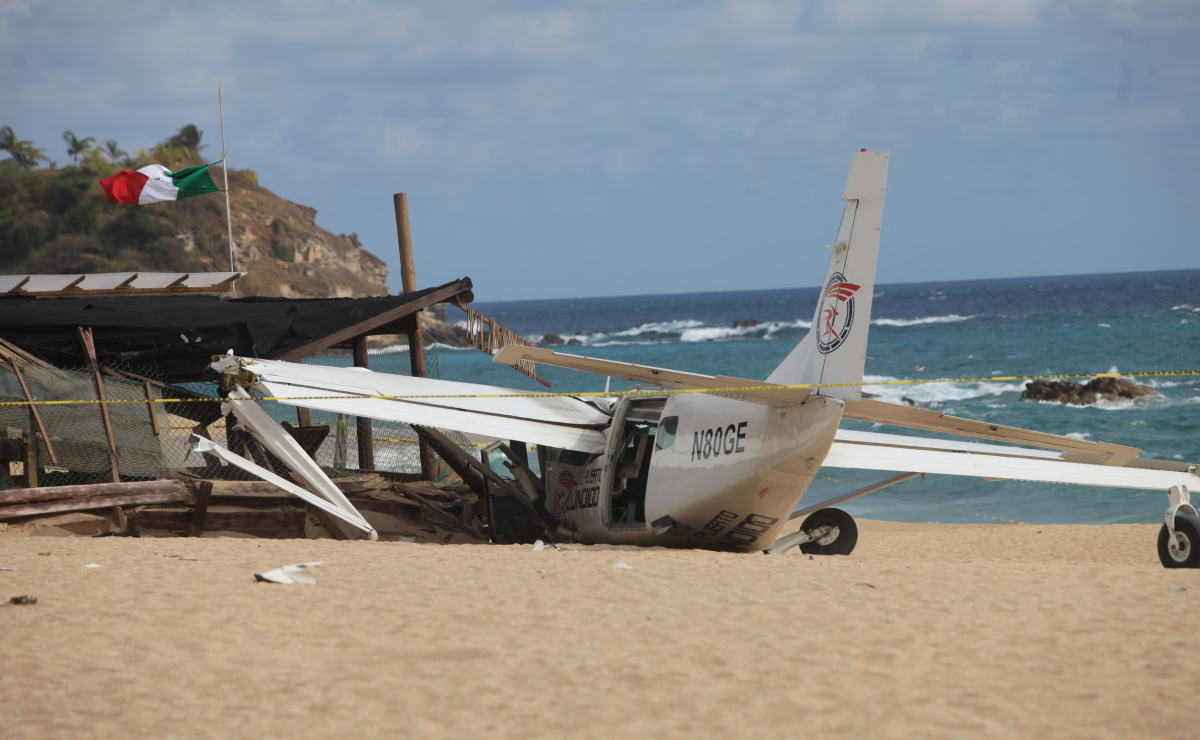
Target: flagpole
column 225, row 170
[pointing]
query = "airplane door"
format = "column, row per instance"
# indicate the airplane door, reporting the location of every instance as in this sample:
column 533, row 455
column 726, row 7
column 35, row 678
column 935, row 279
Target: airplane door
column 623, row 495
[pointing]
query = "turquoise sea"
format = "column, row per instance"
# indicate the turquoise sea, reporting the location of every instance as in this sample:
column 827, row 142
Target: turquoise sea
column 971, row 329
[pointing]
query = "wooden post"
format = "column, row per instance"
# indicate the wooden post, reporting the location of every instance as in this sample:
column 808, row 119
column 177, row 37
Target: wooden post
column 303, row 416
column 416, row 345
column 366, row 441
column 33, row 411
column 31, row 456
column 200, row 511
column 153, row 414
column 89, row 356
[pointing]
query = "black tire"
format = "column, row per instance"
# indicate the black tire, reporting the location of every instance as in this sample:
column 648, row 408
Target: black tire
column 1187, row 531
column 847, row 532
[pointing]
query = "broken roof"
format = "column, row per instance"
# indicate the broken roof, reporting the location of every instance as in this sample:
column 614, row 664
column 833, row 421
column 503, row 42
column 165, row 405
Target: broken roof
column 179, row 334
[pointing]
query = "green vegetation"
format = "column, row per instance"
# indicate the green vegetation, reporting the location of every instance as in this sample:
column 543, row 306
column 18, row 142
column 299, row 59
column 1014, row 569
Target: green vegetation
column 57, row 220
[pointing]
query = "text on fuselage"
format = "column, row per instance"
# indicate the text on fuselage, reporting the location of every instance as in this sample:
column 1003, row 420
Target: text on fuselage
column 717, row 441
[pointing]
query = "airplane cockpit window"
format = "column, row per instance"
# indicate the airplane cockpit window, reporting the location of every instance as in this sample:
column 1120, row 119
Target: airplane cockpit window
column 666, row 432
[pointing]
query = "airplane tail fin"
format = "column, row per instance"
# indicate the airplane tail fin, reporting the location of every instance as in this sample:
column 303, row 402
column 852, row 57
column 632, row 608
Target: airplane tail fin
column 835, row 348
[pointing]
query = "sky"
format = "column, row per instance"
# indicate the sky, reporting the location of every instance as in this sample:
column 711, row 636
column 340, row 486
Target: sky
column 621, row 147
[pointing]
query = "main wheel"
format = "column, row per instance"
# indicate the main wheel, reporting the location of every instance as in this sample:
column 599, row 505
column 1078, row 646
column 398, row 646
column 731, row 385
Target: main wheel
column 847, row 532
column 1186, row 552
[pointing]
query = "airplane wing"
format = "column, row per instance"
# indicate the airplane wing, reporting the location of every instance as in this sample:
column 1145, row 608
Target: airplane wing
column 564, row 422
column 769, row 395
column 871, row 451
column 1077, row 450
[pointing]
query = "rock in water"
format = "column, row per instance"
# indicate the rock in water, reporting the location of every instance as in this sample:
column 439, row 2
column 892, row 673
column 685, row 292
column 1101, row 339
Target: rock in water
column 745, row 323
column 1083, row 394
column 552, row 339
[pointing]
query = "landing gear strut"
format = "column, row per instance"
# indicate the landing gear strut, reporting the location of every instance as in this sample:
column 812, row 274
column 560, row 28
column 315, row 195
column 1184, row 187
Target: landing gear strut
column 1179, row 538
column 824, row 532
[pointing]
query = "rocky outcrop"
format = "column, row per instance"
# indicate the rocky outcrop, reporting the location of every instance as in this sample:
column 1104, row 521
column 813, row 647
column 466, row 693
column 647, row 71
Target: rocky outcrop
column 435, row 329
column 1083, row 394
column 746, row 323
column 552, row 339
column 287, row 254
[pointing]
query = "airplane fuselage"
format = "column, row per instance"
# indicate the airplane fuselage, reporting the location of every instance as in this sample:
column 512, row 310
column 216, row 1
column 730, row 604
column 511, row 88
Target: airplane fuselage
column 693, row 471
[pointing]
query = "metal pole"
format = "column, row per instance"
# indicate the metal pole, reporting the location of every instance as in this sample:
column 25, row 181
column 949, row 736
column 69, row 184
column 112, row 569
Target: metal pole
column 225, row 170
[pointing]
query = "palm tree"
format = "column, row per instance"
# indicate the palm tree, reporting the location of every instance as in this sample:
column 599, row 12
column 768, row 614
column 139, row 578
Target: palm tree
column 26, row 155
column 187, row 138
column 76, row 146
column 23, row 153
column 7, row 139
column 110, row 146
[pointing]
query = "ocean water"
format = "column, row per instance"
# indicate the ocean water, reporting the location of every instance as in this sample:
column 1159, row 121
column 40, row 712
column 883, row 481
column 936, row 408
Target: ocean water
column 982, row 328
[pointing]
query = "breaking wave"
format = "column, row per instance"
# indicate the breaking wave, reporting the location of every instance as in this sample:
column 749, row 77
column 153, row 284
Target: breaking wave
column 934, row 394
column 714, row 333
column 952, row 318
column 661, row 327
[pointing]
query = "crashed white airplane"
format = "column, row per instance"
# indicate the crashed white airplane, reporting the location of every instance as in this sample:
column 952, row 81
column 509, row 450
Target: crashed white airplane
column 720, row 470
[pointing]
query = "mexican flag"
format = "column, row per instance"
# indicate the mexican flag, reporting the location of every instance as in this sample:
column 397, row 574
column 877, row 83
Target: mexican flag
column 154, row 183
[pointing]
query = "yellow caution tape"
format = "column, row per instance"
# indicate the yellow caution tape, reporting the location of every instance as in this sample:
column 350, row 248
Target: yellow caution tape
column 617, row 394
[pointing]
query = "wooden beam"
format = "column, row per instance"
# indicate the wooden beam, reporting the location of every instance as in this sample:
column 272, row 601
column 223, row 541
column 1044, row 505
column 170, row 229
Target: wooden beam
column 153, row 412
column 75, row 282
column 88, row 490
column 89, row 350
column 17, row 288
column 36, row 414
column 9, row 351
column 125, row 283
column 200, row 511
column 92, row 502
column 436, row 513
column 303, row 416
column 366, row 440
column 179, row 281
column 369, row 326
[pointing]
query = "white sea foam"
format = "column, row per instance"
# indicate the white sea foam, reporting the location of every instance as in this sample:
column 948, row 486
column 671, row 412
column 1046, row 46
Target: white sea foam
column 1182, row 307
column 936, row 393
column 1079, row 435
column 661, row 327
column 714, row 333
column 952, row 318
column 461, row 324
column 1106, row 326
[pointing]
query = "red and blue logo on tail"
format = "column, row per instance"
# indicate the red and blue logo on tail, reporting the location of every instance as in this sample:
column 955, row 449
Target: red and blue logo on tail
column 837, row 313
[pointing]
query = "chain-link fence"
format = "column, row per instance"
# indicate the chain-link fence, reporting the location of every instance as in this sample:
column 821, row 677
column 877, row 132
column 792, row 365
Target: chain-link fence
column 71, row 442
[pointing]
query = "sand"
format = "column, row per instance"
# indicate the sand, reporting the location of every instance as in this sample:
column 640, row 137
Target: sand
column 926, row 631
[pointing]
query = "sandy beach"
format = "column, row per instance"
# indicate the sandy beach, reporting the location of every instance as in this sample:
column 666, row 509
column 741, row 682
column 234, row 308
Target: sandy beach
column 1012, row 631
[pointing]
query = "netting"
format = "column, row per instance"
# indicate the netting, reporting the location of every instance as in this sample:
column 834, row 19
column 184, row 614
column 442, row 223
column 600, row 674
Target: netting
column 82, row 452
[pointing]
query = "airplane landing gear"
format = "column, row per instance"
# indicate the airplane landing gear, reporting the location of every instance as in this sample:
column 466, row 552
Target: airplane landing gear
column 824, row 532
column 1179, row 538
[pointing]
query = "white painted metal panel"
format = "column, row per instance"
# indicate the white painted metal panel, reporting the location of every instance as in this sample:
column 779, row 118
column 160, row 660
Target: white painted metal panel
column 362, row 382
column 901, row 459
column 473, row 422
